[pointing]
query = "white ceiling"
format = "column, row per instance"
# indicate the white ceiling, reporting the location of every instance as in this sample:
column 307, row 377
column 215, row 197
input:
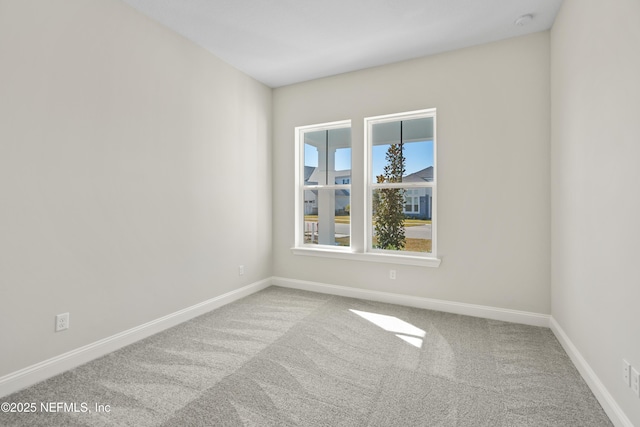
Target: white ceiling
column 280, row 42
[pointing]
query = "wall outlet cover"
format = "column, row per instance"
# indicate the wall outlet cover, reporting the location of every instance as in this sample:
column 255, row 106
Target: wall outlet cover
column 626, row 373
column 62, row 322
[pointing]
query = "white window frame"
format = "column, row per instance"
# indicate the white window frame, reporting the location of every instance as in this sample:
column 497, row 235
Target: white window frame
column 301, row 188
column 412, row 198
column 361, row 250
column 370, row 185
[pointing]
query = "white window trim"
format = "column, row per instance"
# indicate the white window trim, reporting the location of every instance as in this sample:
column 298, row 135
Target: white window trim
column 300, row 187
column 370, row 185
column 350, row 253
column 411, row 198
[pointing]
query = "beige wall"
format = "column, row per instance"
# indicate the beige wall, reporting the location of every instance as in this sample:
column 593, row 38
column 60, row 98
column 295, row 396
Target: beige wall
column 134, row 175
column 595, row 69
column 493, row 158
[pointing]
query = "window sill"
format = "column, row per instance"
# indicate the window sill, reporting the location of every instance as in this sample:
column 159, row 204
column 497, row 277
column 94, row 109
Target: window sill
column 346, row 254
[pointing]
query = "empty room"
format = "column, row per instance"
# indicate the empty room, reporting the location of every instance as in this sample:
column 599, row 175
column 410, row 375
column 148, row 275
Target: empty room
column 319, row 213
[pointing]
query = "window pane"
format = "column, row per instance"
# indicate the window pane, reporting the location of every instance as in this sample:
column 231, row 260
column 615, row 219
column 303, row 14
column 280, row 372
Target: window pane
column 327, row 156
column 401, row 219
column 326, row 217
column 407, row 144
column 342, row 166
column 310, row 164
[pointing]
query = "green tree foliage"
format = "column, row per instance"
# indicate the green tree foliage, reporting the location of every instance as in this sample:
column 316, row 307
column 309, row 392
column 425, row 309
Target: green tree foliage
column 388, row 203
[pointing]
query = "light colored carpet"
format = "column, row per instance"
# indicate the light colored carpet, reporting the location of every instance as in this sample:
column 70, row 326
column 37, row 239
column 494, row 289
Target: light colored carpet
column 284, row 357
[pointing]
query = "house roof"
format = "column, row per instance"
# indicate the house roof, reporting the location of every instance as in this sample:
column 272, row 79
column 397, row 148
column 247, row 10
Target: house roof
column 424, row 175
column 311, row 178
column 308, row 171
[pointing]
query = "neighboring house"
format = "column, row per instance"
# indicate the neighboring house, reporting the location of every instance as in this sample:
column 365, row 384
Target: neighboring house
column 342, row 198
column 418, row 201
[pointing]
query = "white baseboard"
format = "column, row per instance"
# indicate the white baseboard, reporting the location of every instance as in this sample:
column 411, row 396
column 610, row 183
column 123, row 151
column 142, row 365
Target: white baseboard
column 515, row 316
column 608, row 403
column 41, row 371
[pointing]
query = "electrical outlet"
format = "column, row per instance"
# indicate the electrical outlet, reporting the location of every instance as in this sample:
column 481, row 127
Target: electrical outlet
column 635, row 381
column 392, row 274
column 62, row 322
column 240, row 270
column 626, row 372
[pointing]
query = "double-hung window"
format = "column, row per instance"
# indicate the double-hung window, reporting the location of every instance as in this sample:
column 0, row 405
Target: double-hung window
column 323, row 190
column 401, row 186
column 395, row 217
